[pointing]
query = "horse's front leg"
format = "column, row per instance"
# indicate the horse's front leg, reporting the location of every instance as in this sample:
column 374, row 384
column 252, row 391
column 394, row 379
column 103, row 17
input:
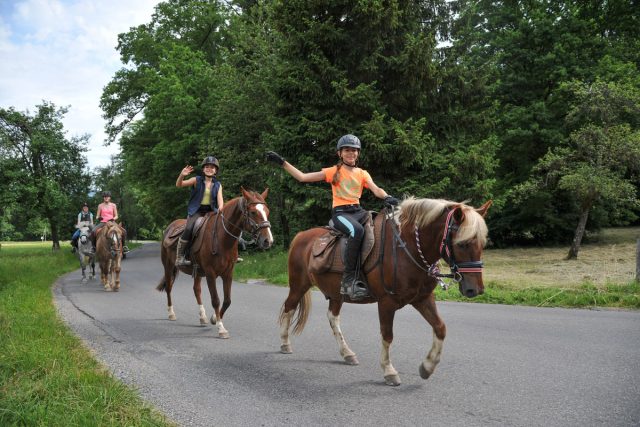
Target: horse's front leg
column 116, row 274
column 215, row 302
column 333, row 314
column 197, row 292
column 427, row 308
column 105, row 273
column 84, row 273
column 386, row 312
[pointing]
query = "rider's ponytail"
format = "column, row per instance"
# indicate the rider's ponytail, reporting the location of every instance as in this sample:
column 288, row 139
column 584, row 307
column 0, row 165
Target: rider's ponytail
column 336, row 177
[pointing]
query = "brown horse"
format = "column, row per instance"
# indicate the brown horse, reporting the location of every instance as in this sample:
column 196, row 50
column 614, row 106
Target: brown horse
column 109, row 254
column 412, row 239
column 218, row 253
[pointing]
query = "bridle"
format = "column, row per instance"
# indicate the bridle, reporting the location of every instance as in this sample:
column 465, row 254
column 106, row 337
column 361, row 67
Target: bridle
column 255, row 226
column 446, row 252
column 118, row 241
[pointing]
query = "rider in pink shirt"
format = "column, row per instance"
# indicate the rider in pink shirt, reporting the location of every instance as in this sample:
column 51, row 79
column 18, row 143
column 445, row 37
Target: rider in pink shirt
column 107, row 211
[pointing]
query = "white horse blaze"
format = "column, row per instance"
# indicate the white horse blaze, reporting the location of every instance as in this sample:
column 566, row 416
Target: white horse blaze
column 260, row 208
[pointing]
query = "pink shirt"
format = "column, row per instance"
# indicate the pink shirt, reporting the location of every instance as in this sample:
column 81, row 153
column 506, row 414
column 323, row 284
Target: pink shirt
column 107, row 212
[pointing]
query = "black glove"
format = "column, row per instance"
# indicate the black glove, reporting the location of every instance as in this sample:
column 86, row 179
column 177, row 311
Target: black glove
column 274, row 157
column 390, row 201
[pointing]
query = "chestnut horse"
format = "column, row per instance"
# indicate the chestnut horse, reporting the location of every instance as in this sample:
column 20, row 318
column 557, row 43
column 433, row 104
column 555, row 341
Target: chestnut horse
column 219, row 251
column 412, row 239
column 109, row 254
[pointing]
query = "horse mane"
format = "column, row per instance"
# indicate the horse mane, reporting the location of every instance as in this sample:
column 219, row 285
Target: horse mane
column 424, row 211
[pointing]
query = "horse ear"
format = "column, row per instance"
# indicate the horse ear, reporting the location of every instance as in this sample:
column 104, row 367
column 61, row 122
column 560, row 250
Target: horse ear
column 458, row 214
column 244, row 192
column 482, row 210
column 264, row 193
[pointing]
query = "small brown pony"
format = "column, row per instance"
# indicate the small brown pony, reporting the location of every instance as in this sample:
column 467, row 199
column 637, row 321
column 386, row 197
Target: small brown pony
column 410, row 243
column 218, row 253
column 109, row 255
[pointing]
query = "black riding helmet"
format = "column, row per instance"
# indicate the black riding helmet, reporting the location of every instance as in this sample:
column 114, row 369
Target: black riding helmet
column 211, row 160
column 348, row 141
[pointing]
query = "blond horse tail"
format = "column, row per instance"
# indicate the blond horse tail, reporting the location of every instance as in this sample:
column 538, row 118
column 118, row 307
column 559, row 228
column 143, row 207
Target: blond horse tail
column 301, row 313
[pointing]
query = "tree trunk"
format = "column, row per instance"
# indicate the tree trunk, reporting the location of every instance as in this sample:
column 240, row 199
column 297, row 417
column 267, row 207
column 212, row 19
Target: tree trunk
column 577, row 238
column 638, row 261
column 55, row 239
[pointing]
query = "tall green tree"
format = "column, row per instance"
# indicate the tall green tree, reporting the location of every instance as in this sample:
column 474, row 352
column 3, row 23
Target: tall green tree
column 601, row 162
column 526, row 51
column 373, row 69
column 46, row 169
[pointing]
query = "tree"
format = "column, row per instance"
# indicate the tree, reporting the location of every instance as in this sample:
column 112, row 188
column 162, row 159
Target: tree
column 603, row 154
column 526, row 51
column 47, row 169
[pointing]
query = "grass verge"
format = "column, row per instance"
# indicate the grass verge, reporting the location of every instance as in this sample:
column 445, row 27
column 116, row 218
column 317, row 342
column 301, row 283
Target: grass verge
column 47, row 377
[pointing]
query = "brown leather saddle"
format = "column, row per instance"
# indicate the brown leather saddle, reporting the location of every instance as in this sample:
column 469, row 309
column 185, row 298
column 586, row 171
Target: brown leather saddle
column 172, row 234
column 327, row 252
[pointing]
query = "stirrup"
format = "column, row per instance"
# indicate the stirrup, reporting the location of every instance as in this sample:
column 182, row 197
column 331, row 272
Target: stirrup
column 357, row 290
column 125, row 249
column 183, row 262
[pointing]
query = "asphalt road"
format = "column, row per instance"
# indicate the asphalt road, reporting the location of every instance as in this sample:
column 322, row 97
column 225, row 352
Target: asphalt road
column 501, row 365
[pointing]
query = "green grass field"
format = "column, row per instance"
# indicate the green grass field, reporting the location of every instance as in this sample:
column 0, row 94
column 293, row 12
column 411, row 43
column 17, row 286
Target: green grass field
column 47, row 377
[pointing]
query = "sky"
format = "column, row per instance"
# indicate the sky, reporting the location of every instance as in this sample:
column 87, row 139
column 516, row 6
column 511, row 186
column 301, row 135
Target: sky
column 64, row 51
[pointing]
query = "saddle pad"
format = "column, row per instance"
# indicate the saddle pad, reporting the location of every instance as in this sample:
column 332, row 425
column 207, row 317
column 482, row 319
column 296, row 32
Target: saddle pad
column 327, row 250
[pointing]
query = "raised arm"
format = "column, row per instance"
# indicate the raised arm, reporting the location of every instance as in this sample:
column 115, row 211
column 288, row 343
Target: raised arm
column 181, row 182
column 293, row 171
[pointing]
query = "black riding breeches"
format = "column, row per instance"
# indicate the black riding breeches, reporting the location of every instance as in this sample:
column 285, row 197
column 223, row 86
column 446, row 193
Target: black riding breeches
column 191, row 220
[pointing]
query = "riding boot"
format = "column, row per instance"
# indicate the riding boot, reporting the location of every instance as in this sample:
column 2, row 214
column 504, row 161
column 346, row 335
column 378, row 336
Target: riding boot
column 351, row 285
column 92, row 238
column 180, row 253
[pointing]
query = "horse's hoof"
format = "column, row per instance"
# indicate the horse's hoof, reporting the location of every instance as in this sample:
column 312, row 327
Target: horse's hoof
column 351, row 360
column 285, row 349
column 203, row 322
column 116, row 289
column 223, row 335
column 392, row 380
column 424, row 374
column 107, row 289
column 213, row 320
column 172, row 317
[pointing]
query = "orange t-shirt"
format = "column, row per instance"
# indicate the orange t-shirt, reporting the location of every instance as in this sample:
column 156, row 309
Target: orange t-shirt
column 349, row 189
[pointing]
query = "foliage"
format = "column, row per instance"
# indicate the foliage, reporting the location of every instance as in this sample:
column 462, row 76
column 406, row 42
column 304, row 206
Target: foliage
column 45, row 169
column 460, row 100
column 527, row 52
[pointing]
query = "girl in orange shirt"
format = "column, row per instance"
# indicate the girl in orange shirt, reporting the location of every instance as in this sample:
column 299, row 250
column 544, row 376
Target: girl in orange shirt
column 347, row 181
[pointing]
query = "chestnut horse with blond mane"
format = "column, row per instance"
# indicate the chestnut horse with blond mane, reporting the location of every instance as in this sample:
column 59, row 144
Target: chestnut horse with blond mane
column 412, row 239
column 109, row 241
